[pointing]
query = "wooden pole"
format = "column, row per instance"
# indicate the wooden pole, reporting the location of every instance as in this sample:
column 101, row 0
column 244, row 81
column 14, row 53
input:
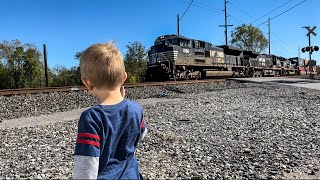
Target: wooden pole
column 45, row 64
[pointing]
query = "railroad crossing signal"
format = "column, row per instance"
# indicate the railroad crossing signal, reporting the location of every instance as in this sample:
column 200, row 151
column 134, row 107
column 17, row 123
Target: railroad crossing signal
column 310, row 49
column 311, row 31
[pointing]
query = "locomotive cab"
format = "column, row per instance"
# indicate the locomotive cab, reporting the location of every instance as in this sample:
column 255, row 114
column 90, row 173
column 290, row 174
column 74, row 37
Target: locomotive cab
column 163, row 55
column 174, row 57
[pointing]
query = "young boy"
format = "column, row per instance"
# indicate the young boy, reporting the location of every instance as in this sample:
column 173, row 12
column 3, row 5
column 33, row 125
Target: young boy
column 108, row 133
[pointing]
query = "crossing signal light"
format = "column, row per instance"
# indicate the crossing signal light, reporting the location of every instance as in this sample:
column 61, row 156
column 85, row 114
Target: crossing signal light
column 310, row 49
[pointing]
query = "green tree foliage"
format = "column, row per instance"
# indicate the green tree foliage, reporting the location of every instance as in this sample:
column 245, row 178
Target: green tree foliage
column 136, row 62
column 248, row 37
column 78, row 55
column 4, row 77
column 20, row 65
column 62, row 76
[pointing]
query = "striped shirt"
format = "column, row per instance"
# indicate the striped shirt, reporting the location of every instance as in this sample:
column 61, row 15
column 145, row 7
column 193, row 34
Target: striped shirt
column 106, row 141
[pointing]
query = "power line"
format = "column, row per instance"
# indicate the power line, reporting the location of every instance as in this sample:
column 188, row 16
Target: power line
column 237, row 19
column 284, row 12
column 285, row 45
column 203, row 6
column 221, row 40
column 215, row 10
column 271, row 11
column 241, row 9
column 186, row 9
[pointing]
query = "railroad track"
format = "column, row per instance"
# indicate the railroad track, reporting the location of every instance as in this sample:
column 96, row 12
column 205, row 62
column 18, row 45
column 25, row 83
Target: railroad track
column 10, row 92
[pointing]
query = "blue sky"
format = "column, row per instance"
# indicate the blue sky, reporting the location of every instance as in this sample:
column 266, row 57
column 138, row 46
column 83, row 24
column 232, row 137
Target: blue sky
column 69, row 26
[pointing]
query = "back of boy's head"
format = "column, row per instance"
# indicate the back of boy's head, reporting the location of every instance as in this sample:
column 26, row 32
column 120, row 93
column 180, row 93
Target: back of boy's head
column 103, row 66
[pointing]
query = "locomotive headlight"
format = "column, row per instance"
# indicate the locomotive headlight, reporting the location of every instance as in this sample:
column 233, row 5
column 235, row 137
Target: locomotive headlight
column 159, row 59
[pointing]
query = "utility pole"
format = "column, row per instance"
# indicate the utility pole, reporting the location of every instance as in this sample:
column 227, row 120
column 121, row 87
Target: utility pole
column 178, row 21
column 269, row 34
column 299, row 51
column 179, row 18
column 45, row 64
column 225, row 22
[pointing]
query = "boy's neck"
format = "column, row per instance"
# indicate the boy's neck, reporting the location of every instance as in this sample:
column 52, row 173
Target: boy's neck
column 107, row 97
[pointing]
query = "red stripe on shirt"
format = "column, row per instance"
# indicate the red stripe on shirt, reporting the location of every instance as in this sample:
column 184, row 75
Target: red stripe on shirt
column 94, row 143
column 142, row 123
column 88, row 135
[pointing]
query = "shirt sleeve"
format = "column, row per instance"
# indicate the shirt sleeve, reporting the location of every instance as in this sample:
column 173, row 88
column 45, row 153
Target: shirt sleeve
column 88, row 137
column 85, row 167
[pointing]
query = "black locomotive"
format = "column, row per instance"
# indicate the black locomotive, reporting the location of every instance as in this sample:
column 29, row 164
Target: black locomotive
column 174, row 57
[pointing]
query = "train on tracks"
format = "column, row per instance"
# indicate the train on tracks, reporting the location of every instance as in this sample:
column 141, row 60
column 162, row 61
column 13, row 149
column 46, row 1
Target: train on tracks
column 175, row 57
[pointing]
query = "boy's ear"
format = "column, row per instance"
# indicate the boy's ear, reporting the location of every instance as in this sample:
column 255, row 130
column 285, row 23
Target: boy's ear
column 124, row 77
column 87, row 83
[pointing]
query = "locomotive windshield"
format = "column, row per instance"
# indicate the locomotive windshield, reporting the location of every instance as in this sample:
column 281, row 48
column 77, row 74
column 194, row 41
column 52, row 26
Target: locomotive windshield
column 173, row 41
column 184, row 42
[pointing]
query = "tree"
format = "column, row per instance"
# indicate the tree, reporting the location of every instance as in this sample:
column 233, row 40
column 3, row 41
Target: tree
column 33, row 67
column 136, row 61
column 78, row 55
column 20, row 65
column 4, row 76
column 249, row 38
column 62, row 76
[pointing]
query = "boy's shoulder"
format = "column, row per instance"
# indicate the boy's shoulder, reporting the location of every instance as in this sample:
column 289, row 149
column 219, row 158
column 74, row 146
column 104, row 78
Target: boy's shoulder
column 134, row 104
column 95, row 114
column 125, row 104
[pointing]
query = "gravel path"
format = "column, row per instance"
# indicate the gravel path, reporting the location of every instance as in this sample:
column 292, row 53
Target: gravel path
column 63, row 116
column 230, row 131
column 32, row 105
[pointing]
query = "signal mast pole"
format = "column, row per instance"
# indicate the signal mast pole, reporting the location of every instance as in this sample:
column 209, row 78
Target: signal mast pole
column 269, row 34
column 310, row 48
column 225, row 22
column 178, row 21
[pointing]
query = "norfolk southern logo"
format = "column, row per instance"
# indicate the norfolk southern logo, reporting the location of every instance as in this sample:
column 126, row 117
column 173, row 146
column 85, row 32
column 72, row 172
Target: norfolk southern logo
column 186, row 51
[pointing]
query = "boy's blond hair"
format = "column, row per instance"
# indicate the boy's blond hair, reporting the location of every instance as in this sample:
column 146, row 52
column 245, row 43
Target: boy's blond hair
column 103, row 66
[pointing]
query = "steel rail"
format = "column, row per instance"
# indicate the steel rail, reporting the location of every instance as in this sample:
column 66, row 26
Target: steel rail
column 10, row 92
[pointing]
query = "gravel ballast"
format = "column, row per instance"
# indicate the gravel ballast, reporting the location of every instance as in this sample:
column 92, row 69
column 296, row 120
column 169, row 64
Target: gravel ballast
column 31, row 105
column 221, row 131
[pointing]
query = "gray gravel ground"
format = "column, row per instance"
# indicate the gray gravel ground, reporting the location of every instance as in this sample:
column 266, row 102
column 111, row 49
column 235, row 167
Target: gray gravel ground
column 31, row 105
column 225, row 131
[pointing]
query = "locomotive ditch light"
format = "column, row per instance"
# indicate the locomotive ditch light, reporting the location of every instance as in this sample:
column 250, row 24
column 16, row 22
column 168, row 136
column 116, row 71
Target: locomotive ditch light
column 316, row 48
column 303, row 50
